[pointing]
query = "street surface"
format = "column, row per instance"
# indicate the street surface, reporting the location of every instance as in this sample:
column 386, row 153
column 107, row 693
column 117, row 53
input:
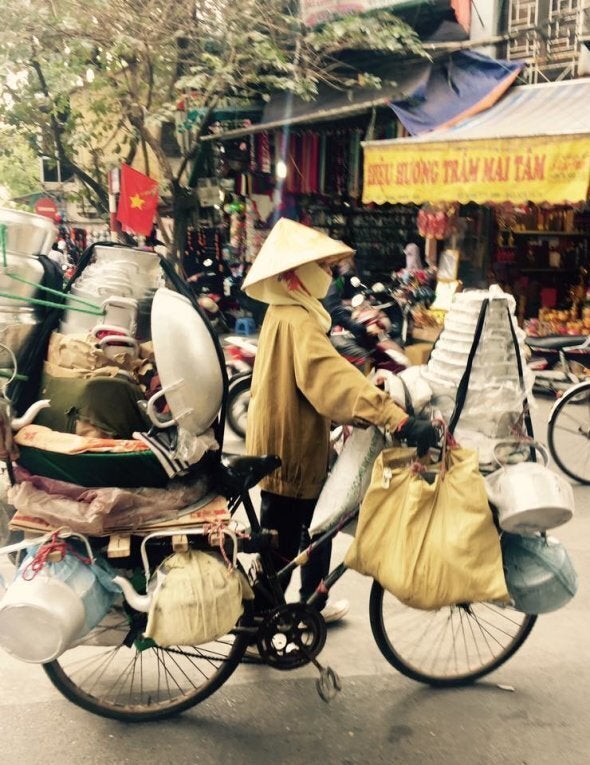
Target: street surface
column 535, row 710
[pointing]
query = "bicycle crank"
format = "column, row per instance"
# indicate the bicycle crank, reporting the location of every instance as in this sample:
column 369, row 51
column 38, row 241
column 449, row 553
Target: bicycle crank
column 291, row 636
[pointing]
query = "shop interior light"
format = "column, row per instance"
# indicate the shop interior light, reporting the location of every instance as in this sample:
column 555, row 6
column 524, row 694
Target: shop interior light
column 281, row 170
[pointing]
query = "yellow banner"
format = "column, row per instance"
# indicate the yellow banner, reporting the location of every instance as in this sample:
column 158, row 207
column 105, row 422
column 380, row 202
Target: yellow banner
column 535, row 169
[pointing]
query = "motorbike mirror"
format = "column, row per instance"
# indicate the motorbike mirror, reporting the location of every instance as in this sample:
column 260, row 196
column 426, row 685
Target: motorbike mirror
column 378, row 287
column 355, row 282
column 357, row 300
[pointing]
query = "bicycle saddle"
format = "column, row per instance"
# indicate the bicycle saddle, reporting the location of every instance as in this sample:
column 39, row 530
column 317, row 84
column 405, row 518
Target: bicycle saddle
column 554, row 342
column 238, row 473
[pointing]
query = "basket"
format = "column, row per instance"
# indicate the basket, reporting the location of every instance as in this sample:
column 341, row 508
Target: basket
column 130, row 470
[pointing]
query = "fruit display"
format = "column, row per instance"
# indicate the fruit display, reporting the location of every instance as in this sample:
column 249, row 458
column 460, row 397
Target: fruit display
column 559, row 322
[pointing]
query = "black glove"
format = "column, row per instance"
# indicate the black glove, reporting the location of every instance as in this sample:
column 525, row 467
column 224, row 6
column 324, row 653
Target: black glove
column 419, row 433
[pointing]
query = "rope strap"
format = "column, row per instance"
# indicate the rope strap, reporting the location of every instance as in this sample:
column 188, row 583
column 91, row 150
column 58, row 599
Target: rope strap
column 39, row 560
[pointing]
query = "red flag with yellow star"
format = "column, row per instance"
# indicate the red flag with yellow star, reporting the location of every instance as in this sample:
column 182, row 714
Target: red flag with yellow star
column 138, row 200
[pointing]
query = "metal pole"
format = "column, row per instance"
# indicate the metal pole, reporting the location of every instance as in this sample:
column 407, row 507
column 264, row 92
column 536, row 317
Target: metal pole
column 114, row 189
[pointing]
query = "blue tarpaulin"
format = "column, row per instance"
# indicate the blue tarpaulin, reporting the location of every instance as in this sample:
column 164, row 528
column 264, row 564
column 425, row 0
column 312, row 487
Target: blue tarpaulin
column 465, row 84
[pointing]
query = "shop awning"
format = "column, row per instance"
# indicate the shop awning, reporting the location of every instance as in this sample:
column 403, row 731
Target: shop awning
column 532, row 145
column 463, row 85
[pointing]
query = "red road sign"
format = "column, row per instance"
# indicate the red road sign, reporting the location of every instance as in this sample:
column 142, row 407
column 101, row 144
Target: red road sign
column 47, row 207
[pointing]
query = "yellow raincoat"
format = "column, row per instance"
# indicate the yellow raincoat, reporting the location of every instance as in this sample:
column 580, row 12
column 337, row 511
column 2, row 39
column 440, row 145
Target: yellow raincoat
column 300, row 384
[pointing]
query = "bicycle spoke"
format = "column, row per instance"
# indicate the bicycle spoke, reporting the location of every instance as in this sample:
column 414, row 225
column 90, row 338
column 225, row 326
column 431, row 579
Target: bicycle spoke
column 569, row 435
column 129, row 682
column 448, row 646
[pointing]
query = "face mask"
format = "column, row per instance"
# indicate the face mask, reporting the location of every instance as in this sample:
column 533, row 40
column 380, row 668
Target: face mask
column 315, row 279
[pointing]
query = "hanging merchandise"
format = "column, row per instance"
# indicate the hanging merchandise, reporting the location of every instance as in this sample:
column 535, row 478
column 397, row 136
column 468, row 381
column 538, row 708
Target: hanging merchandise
column 264, row 153
column 437, row 221
column 236, row 226
column 59, row 594
column 430, row 543
column 354, row 165
column 480, row 339
column 255, row 230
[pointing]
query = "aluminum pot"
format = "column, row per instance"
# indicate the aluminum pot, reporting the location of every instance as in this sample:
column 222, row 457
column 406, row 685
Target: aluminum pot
column 540, row 576
column 27, row 233
column 24, row 267
column 16, row 324
column 41, row 616
column 529, row 496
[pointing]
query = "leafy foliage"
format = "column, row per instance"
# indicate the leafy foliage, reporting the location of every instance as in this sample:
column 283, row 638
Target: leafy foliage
column 92, row 83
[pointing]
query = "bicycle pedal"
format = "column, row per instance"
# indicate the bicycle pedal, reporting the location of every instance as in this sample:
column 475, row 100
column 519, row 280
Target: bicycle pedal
column 328, row 684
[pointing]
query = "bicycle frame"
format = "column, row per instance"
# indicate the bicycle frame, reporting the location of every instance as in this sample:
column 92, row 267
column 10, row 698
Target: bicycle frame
column 302, row 558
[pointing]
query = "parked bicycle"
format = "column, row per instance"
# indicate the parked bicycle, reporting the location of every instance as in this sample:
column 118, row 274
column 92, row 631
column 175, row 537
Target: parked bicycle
column 568, row 432
column 558, row 362
column 116, row 673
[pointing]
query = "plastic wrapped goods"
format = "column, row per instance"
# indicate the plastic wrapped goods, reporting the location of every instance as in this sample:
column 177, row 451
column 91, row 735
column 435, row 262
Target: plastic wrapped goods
column 495, row 391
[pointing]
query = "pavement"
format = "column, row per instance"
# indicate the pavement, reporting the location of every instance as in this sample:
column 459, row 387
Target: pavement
column 532, row 711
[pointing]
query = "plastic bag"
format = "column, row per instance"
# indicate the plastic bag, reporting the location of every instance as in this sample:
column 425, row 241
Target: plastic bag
column 97, row 511
column 429, row 544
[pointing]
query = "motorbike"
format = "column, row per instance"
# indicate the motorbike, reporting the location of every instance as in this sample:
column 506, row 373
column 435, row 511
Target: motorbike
column 384, row 349
column 558, row 362
column 240, row 353
column 209, row 293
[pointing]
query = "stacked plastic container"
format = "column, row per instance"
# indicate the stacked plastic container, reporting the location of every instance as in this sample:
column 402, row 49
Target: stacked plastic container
column 495, row 393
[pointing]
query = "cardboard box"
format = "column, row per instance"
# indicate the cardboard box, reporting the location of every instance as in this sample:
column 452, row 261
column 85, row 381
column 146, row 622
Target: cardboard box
column 426, row 334
column 418, row 353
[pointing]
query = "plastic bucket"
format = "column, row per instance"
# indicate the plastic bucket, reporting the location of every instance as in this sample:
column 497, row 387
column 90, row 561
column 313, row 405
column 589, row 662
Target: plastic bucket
column 41, row 615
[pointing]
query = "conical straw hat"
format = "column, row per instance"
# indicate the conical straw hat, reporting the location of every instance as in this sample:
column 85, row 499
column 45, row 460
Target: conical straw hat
column 289, row 245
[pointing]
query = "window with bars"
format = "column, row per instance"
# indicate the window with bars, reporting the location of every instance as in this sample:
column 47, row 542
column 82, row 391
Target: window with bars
column 561, row 6
column 523, row 13
column 547, row 35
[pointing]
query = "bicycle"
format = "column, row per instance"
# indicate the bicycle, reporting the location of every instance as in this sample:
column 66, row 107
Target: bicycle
column 568, row 432
column 130, row 678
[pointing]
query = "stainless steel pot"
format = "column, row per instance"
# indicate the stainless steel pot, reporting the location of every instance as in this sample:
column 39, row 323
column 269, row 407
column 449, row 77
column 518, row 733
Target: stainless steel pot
column 25, row 267
column 27, row 233
column 15, row 327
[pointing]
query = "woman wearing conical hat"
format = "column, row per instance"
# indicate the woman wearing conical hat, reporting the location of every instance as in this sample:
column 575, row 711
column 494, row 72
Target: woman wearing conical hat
column 301, row 384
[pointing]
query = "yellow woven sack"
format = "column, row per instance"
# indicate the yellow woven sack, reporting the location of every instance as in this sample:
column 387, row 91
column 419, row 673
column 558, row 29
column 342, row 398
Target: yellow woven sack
column 430, row 545
column 200, row 600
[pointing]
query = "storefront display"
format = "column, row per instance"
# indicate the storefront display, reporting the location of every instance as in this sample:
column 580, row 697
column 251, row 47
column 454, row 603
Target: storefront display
column 543, row 253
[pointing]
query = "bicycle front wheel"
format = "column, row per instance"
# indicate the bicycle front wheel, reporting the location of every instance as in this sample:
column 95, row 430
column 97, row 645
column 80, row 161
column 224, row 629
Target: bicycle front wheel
column 141, row 682
column 453, row 646
column 568, row 433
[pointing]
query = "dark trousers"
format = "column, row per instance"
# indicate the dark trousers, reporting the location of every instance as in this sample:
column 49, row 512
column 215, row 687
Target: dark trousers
column 291, row 518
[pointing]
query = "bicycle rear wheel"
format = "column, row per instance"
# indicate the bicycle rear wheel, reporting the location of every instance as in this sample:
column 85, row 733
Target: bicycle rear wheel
column 141, row 682
column 450, row 647
column 568, row 433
